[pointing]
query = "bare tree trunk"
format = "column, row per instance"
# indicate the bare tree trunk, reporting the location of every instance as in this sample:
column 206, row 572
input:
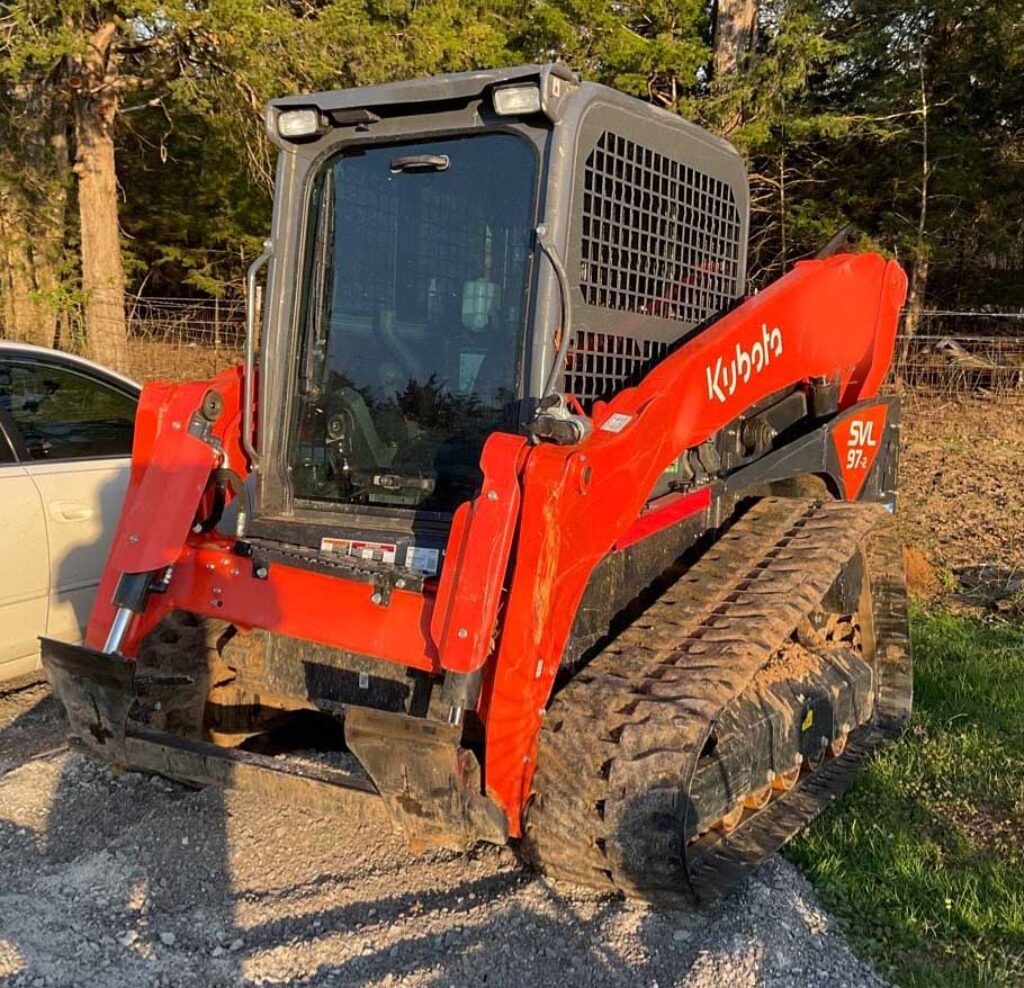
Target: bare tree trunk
column 783, row 245
column 103, row 280
column 27, row 317
column 6, row 295
column 734, row 32
column 49, row 220
column 735, row 23
column 919, row 268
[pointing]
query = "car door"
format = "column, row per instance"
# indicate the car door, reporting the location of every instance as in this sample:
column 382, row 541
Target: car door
column 74, row 437
column 24, row 565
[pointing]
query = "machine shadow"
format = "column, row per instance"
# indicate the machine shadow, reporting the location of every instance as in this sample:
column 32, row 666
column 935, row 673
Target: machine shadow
column 188, row 887
column 546, row 942
column 109, row 875
column 31, row 721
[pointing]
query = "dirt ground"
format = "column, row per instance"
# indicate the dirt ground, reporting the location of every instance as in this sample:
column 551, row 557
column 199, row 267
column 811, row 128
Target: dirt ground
column 961, row 499
column 122, row 880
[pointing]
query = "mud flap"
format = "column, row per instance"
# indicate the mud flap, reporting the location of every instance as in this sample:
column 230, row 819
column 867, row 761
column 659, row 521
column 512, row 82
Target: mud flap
column 429, row 783
column 97, row 691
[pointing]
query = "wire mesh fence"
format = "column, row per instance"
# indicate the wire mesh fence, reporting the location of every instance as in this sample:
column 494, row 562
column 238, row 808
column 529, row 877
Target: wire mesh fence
column 173, row 339
column 960, row 352
column 165, row 338
column 948, row 352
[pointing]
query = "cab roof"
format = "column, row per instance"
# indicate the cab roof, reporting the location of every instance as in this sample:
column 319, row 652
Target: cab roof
column 455, row 86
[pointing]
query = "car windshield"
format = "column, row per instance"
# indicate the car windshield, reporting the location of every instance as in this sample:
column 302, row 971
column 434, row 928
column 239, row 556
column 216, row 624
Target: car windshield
column 415, row 308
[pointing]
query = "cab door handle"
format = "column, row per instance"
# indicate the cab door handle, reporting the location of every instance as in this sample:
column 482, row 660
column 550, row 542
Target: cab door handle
column 71, row 510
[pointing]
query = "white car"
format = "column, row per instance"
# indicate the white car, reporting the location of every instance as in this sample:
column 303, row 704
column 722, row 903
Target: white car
column 66, row 428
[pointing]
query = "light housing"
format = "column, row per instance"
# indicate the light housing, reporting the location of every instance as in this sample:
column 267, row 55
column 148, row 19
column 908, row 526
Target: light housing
column 296, row 124
column 511, row 101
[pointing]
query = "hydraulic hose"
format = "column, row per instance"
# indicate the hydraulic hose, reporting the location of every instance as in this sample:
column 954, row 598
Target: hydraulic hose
column 563, row 285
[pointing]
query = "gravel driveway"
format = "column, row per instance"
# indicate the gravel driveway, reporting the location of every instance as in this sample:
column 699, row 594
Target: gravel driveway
column 124, row 880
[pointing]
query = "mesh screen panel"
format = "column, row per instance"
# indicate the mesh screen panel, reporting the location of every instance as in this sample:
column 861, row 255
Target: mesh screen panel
column 599, row 364
column 659, row 238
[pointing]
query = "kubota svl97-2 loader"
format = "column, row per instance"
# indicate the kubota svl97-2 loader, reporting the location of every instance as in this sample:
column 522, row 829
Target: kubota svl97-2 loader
column 576, row 545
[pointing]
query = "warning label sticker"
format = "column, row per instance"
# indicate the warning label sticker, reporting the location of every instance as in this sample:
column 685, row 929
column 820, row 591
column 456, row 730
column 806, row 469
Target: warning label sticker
column 422, row 560
column 616, row 422
column 377, row 552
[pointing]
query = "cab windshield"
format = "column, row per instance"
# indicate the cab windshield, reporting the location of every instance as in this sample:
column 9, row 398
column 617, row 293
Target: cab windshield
column 415, row 301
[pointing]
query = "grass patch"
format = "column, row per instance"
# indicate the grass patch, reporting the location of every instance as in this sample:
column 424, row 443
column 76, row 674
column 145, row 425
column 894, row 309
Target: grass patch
column 924, row 858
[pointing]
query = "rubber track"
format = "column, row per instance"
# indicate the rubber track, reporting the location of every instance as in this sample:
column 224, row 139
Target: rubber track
column 621, row 741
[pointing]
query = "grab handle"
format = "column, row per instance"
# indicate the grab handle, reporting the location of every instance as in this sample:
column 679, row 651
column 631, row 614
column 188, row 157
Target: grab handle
column 250, row 352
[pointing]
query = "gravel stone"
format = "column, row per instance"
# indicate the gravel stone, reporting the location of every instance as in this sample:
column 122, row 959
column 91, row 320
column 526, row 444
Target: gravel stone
column 96, row 869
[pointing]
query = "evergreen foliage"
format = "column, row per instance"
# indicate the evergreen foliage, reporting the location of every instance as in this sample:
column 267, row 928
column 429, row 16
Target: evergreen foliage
column 903, row 116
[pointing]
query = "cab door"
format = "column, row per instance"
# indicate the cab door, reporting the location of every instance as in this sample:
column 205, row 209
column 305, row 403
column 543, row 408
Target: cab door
column 24, row 566
column 75, row 432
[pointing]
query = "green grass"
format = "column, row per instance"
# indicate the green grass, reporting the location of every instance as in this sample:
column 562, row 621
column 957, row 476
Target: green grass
column 924, row 859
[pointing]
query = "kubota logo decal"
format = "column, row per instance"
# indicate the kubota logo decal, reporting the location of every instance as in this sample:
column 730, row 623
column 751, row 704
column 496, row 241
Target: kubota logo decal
column 857, row 440
column 729, row 372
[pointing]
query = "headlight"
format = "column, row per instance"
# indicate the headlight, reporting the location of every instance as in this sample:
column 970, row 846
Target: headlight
column 298, row 123
column 512, row 101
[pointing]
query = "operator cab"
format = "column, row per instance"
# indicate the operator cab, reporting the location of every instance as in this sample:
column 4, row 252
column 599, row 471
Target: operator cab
column 413, row 309
column 413, row 322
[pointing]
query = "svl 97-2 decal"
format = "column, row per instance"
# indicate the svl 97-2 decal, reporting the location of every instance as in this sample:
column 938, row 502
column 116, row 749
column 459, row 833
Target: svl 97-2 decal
column 857, row 438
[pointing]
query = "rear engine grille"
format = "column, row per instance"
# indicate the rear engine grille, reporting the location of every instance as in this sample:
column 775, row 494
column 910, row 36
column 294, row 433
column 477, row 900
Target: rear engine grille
column 599, row 364
column 660, row 238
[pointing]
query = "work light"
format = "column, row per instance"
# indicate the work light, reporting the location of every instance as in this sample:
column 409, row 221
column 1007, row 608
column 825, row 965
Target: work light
column 511, row 101
column 298, row 123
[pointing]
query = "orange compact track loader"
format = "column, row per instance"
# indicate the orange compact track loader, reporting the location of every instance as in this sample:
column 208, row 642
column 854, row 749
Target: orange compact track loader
column 525, row 524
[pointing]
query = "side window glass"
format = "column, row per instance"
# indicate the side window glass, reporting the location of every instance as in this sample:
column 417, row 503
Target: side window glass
column 6, row 453
column 64, row 415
